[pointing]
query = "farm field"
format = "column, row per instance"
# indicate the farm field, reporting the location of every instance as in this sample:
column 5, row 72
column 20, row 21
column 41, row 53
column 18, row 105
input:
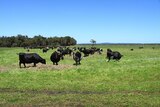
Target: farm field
column 132, row 81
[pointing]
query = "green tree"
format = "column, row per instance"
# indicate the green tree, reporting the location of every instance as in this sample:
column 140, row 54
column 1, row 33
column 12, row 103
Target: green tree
column 36, row 41
column 93, row 42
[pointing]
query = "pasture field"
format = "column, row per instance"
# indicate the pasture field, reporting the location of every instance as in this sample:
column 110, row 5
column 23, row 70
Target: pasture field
column 133, row 81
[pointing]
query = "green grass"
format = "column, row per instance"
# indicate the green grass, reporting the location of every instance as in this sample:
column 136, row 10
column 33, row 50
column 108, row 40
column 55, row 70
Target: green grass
column 133, row 81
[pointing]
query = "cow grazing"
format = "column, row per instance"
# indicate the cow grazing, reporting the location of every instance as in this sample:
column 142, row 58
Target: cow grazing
column 30, row 58
column 77, row 58
column 45, row 50
column 141, row 47
column 64, row 51
column 132, row 49
column 28, row 50
column 99, row 50
column 86, row 52
column 55, row 57
column 113, row 55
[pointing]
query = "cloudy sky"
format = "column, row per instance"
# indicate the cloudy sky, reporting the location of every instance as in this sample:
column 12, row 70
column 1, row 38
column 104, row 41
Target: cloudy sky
column 116, row 21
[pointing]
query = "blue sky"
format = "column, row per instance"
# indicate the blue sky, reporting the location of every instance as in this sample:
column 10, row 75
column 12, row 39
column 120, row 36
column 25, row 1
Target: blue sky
column 116, row 21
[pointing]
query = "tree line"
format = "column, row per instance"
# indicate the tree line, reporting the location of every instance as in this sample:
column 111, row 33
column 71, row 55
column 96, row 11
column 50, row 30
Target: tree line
column 36, row 41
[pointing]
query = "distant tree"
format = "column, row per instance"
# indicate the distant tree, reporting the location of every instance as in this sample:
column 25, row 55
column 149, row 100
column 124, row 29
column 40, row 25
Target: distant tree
column 39, row 40
column 20, row 39
column 36, row 41
column 93, row 42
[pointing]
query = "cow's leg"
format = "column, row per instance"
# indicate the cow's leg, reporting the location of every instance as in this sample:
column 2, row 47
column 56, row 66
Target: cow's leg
column 76, row 63
column 109, row 59
column 56, row 63
column 24, row 65
column 19, row 64
column 34, row 65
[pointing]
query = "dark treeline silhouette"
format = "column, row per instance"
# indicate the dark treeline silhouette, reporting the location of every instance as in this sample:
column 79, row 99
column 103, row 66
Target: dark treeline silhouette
column 36, row 41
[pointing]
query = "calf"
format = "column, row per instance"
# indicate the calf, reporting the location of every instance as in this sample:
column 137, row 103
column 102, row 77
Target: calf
column 113, row 55
column 55, row 57
column 30, row 58
column 77, row 58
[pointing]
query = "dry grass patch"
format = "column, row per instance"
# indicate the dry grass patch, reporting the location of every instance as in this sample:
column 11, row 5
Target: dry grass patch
column 3, row 69
column 54, row 67
column 48, row 67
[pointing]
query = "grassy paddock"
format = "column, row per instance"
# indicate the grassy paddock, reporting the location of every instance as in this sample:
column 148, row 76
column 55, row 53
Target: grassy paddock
column 133, row 81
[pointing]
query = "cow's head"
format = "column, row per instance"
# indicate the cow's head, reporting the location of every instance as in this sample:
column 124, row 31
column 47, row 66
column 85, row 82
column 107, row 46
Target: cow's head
column 43, row 61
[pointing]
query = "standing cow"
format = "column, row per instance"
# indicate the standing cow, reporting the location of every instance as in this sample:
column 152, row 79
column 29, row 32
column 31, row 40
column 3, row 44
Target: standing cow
column 30, row 58
column 55, row 57
column 77, row 58
column 113, row 55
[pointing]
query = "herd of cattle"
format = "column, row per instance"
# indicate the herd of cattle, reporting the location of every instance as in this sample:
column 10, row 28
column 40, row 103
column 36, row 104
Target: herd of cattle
column 56, row 56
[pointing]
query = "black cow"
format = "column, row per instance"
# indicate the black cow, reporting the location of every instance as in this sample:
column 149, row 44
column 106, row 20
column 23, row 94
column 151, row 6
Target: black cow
column 77, row 58
column 30, row 58
column 132, row 49
column 86, row 52
column 64, row 51
column 45, row 50
column 99, row 50
column 141, row 47
column 113, row 55
column 55, row 57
